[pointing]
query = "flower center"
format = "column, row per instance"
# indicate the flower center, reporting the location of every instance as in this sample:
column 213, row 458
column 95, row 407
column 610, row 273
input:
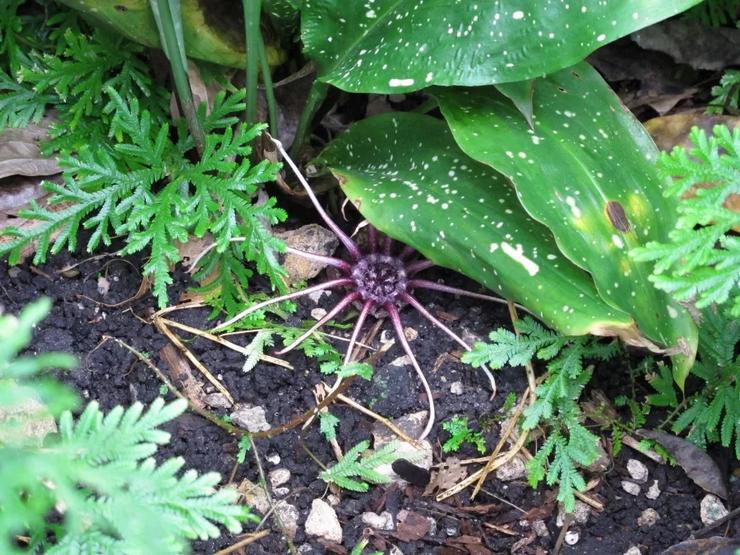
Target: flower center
column 379, row 278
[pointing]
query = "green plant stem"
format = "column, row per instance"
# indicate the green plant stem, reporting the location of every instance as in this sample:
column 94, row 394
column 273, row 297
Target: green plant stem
column 169, row 23
column 252, row 10
column 269, row 92
column 674, row 412
column 315, row 98
column 531, row 380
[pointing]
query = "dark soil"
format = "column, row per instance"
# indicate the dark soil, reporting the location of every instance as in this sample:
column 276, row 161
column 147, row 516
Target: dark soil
column 113, row 376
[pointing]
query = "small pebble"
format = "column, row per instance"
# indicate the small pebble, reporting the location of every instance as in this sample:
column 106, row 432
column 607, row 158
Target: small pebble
column 581, row 512
column 648, row 518
column 316, row 295
column 401, row 361
column 288, row 515
column 410, row 333
column 278, row 477
column 273, row 458
column 322, row 521
column 253, row 419
column 217, row 401
column 281, row 492
column 511, row 470
column 630, row 487
column 572, row 537
column 633, row 550
column 712, row 509
column 540, row 528
column 382, row 521
column 653, row 491
column 637, row 471
column 456, row 388
column 318, row 313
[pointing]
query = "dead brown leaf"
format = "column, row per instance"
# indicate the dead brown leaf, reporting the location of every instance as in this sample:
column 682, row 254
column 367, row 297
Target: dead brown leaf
column 180, row 373
column 523, row 542
column 412, row 527
column 472, row 544
column 671, row 131
column 20, row 153
column 697, row 464
column 445, row 476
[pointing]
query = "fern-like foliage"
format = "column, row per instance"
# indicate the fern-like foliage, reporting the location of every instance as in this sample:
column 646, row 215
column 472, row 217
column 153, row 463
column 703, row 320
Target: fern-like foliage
column 701, row 260
column 94, row 488
column 128, row 171
column 713, row 413
column 569, row 443
column 354, row 473
column 147, row 189
column 460, row 433
column 726, row 94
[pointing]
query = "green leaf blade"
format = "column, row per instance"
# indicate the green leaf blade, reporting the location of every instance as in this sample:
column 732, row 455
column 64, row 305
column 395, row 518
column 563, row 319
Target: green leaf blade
column 394, row 46
column 408, row 178
column 586, row 172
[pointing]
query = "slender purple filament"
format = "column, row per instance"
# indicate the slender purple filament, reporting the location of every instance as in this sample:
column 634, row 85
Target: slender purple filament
column 376, row 278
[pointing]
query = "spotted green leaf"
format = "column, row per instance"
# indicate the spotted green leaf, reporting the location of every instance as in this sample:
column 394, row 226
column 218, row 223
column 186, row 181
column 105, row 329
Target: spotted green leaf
column 405, row 45
column 587, row 172
column 407, row 176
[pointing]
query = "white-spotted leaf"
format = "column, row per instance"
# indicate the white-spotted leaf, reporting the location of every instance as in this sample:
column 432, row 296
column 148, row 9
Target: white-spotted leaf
column 407, row 176
column 387, row 46
column 586, row 170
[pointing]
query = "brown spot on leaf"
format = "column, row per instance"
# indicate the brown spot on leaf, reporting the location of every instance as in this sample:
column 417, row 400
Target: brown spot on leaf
column 617, row 216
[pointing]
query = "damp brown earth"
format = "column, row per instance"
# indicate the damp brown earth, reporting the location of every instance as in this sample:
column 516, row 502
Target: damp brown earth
column 506, row 517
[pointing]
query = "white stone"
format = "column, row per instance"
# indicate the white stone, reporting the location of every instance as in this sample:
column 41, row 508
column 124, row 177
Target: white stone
column 281, row 492
column 217, row 401
column 653, row 491
column 252, row 419
column 255, row 496
column 316, row 295
column 540, row 528
column 511, row 470
column 278, row 477
column 648, row 518
column 630, row 487
column 633, row 550
column 273, row 458
column 410, row 333
column 382, row 521
column 572, row 537
column 322, row 522
column 318, row 313
column 401, row 361
column 637, row 471
column 712, row 509
column 288, row 516
column 456, row 388
column 581, row 512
